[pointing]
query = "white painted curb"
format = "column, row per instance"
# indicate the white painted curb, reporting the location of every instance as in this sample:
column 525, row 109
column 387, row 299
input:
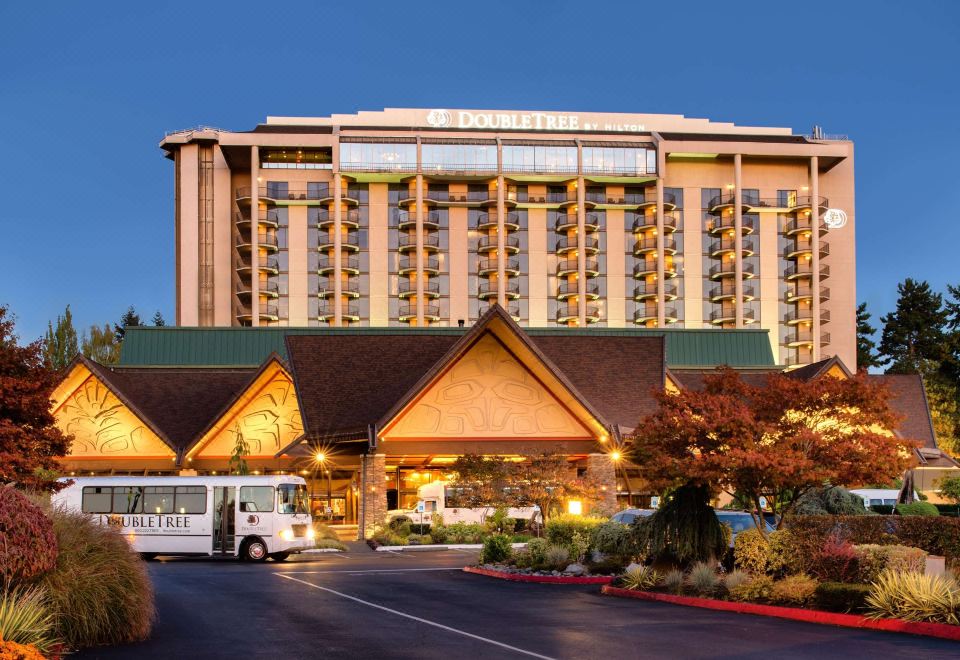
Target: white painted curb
column 317, row 550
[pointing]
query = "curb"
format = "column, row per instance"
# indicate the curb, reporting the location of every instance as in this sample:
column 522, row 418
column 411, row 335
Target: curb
column 543, row 579
column 316, row 550
column 941, row 630
column 448, row 546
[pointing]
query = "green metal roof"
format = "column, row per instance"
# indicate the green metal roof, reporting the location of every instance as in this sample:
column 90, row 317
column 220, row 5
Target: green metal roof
column 179, row 346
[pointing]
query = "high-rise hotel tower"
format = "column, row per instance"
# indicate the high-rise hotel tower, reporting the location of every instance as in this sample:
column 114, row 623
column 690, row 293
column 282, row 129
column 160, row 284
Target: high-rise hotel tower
column 426, row 217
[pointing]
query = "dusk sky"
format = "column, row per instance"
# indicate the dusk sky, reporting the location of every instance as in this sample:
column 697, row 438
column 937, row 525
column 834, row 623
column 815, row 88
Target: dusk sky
column 88, row 90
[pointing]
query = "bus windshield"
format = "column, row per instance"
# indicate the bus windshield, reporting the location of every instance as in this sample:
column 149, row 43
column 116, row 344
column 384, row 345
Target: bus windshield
column 292, row 498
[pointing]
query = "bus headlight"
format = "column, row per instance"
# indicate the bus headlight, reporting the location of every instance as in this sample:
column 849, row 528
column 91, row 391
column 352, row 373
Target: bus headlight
column 287, row 535
column 311, row 534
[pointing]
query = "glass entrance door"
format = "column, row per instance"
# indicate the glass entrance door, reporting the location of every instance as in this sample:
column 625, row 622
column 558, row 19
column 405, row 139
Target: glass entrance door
column 224, row 503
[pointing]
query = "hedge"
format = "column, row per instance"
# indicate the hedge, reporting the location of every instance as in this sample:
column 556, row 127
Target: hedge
column 934, row 534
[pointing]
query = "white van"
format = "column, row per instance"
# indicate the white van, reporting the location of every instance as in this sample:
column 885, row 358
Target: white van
column 432, row 499
column 253, row 517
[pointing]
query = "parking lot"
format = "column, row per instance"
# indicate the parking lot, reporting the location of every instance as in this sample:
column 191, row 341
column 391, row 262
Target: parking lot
column 363, row 604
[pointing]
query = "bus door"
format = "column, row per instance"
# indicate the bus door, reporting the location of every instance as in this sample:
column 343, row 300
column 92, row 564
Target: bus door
column 224, row 504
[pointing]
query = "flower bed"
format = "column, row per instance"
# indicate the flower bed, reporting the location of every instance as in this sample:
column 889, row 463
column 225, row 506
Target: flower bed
column 941, row 630
column 553, row 577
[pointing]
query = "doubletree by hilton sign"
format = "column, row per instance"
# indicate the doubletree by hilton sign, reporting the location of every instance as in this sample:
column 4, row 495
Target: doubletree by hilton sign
column 527, row 121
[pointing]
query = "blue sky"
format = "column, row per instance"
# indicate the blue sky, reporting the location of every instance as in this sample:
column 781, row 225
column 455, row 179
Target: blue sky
column 88, row 89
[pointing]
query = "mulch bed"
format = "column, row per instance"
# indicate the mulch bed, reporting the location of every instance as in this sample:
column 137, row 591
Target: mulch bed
column 543, row 579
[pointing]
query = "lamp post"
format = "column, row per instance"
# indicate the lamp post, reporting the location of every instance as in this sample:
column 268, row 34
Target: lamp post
column 321, row 459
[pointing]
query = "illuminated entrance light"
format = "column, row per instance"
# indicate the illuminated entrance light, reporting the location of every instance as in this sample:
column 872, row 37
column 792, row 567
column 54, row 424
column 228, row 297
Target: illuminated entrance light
column 575, row 507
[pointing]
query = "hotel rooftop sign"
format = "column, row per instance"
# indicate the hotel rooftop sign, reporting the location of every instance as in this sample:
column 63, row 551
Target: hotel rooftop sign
column 527, row 120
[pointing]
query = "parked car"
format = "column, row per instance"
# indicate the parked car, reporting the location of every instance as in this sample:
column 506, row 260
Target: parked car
column 737, row 521
column 627, row 516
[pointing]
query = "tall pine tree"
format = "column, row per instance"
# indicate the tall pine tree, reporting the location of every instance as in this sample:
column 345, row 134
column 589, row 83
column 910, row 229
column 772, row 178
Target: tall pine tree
column 60, row 345
column 130, row 318
column 913, row 338
column 866, row 348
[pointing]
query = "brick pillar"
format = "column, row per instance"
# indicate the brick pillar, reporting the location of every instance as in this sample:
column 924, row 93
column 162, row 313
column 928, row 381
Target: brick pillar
column 600, row 469
column 373, row 495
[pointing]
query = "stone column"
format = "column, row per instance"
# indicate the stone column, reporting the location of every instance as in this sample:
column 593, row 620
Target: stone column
column 600, row 468
column 373, row 494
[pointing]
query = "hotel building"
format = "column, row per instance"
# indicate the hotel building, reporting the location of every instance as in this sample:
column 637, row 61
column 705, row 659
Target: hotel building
column 426, row 218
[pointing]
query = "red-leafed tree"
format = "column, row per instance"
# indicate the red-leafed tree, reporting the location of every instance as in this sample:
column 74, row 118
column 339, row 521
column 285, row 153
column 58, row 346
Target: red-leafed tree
column 30, row 442
column 775, row 441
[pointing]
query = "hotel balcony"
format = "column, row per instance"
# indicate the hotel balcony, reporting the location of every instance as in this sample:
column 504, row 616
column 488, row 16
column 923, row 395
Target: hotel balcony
column 266, row 218
column 728, row 245
column 804, row 292
column 266, row 242
column 669, row 201
column 349, row 287
column 804, row 339
column 487, row 290
column 408, row 242
column 284, row 194
column 649, row 267
column 648, row 245
column 488, row 221
column 407, row 288
column 725, row 223
column 349, row 241
column 268, row 312
column 591, row 244
column 270, row 266
column 408, row 264
column 727, row 291
column 568, row 221
column 349, row 219
column 327, row 264
column 642, row 222
column 266, row 289
column 803, row 248
column 408, row 312
column 728, row 269
column 567, row 289
column 489, row 266
column 406, row 220
column 799, row 316
column 804, row 269
column 513, row 309
column 806, row 202
column 649, row 313
column 729, row 315
column 511, row 244
column 489, row 198
column 328, row 311
column 567, row 313
column 648, row 290
column 801, row 224
column 571, row 266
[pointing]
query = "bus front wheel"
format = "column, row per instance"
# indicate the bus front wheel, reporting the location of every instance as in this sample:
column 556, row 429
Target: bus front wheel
column 254, row 550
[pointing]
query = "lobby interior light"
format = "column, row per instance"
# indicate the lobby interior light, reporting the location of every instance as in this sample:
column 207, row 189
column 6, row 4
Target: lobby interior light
column 615, row 456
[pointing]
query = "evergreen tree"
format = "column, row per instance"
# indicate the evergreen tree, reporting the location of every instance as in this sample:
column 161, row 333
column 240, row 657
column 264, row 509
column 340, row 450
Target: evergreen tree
column 913, row 335
column 866, row 348
column 60, row 344
column 158, row 320
column 100, row 345
column 130, row 318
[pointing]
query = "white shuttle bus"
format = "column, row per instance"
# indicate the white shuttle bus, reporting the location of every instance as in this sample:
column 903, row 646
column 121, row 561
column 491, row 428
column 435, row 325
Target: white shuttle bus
column 253, row 517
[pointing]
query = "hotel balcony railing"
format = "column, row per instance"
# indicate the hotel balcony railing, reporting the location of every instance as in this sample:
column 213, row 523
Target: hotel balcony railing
column 805, row 292
column 408, row 219
column 728, row 291
column 409, row 241
column 409, row 312
column 406, row 288
column 487, row 221
column 513, row 309
column 458, row 168
column 642, row 221
column 326, row 264
column 801, row 224
column 649, row 267
column 571, row 312
column 487, row 266
column 801, row 315
column 803, row 247
column 270, row 311
column 805, row 338
column 565, row 289
column 348, row 241
column 517, row 168
column 669, row 201
column 646, row 314
column 265, row 218
column 754, row 201
column 491, row 289
column 347, row 310
column 729, row 315
column 288, row 194
column 727, row 222
column 570, row 266
column 268, row 289
column 409, row 264
column 646, row 245
column 399, row 166
column 348, row 287
column 726, row 245
column 510, row 243
column 728, row 269
column 350, row 218
column 264, row 241
column 805, row 269
column 565, row 243
column 567, row 221
column 647, row 290
column 270, row 265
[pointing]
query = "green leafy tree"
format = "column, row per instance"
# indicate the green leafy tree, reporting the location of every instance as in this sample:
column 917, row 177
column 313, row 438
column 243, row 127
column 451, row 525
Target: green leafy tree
column 30, row 441
column 129, row 319
column 949, row 488
column 60, row 343
column 866, row 347
column 241, row 449
column 684, row 528
column 914, row 334
column 100, row 345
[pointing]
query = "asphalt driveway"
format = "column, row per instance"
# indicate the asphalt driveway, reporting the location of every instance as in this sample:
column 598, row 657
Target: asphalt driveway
column 419, row 605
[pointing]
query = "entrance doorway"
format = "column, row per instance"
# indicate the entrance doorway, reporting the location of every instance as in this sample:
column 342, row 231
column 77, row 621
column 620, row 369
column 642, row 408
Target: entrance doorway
column 224, row 530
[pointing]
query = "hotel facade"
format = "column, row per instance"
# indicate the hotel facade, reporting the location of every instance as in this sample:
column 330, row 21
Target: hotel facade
column 419, row 217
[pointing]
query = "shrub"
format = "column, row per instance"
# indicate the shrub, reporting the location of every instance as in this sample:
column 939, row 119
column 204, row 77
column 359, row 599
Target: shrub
column 25, row 620
column 836, row 561
column 399, row 521
column 758, row 587
column 29, row 546
column 703, row 578
column 331, row 544
column 685, row 528
column 419, row 529
column 874, row 559
column 609, row 565
column 734, row 579
column 832, row 500
column 794, row 590
column 751, row 551
column 917, row 509
column 323, row 531
column 496, row 549
column 673, row 581
column 99, row 592
column 559, row 530
column 556, row 557
column 439, row 533
column 640, row 578
column 841, row 597
column 614, row 539
column 465, row 533
column 386, row 536
column 419, row 539
column 578, row 547
column 500, row 522
column 915, row 597
column 786, row 556
column 537, row 549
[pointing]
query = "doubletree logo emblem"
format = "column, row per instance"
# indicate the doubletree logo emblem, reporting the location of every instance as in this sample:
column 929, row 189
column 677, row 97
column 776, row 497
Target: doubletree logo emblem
column 834, row 218
column 253, row 520
column 439, row 118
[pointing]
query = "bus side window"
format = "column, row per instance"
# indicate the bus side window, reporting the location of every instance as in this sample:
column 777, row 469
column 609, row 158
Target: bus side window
column 128, row 499
column 191, row 499
column 97, row 499
column 158, row 499
column 256, row 499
